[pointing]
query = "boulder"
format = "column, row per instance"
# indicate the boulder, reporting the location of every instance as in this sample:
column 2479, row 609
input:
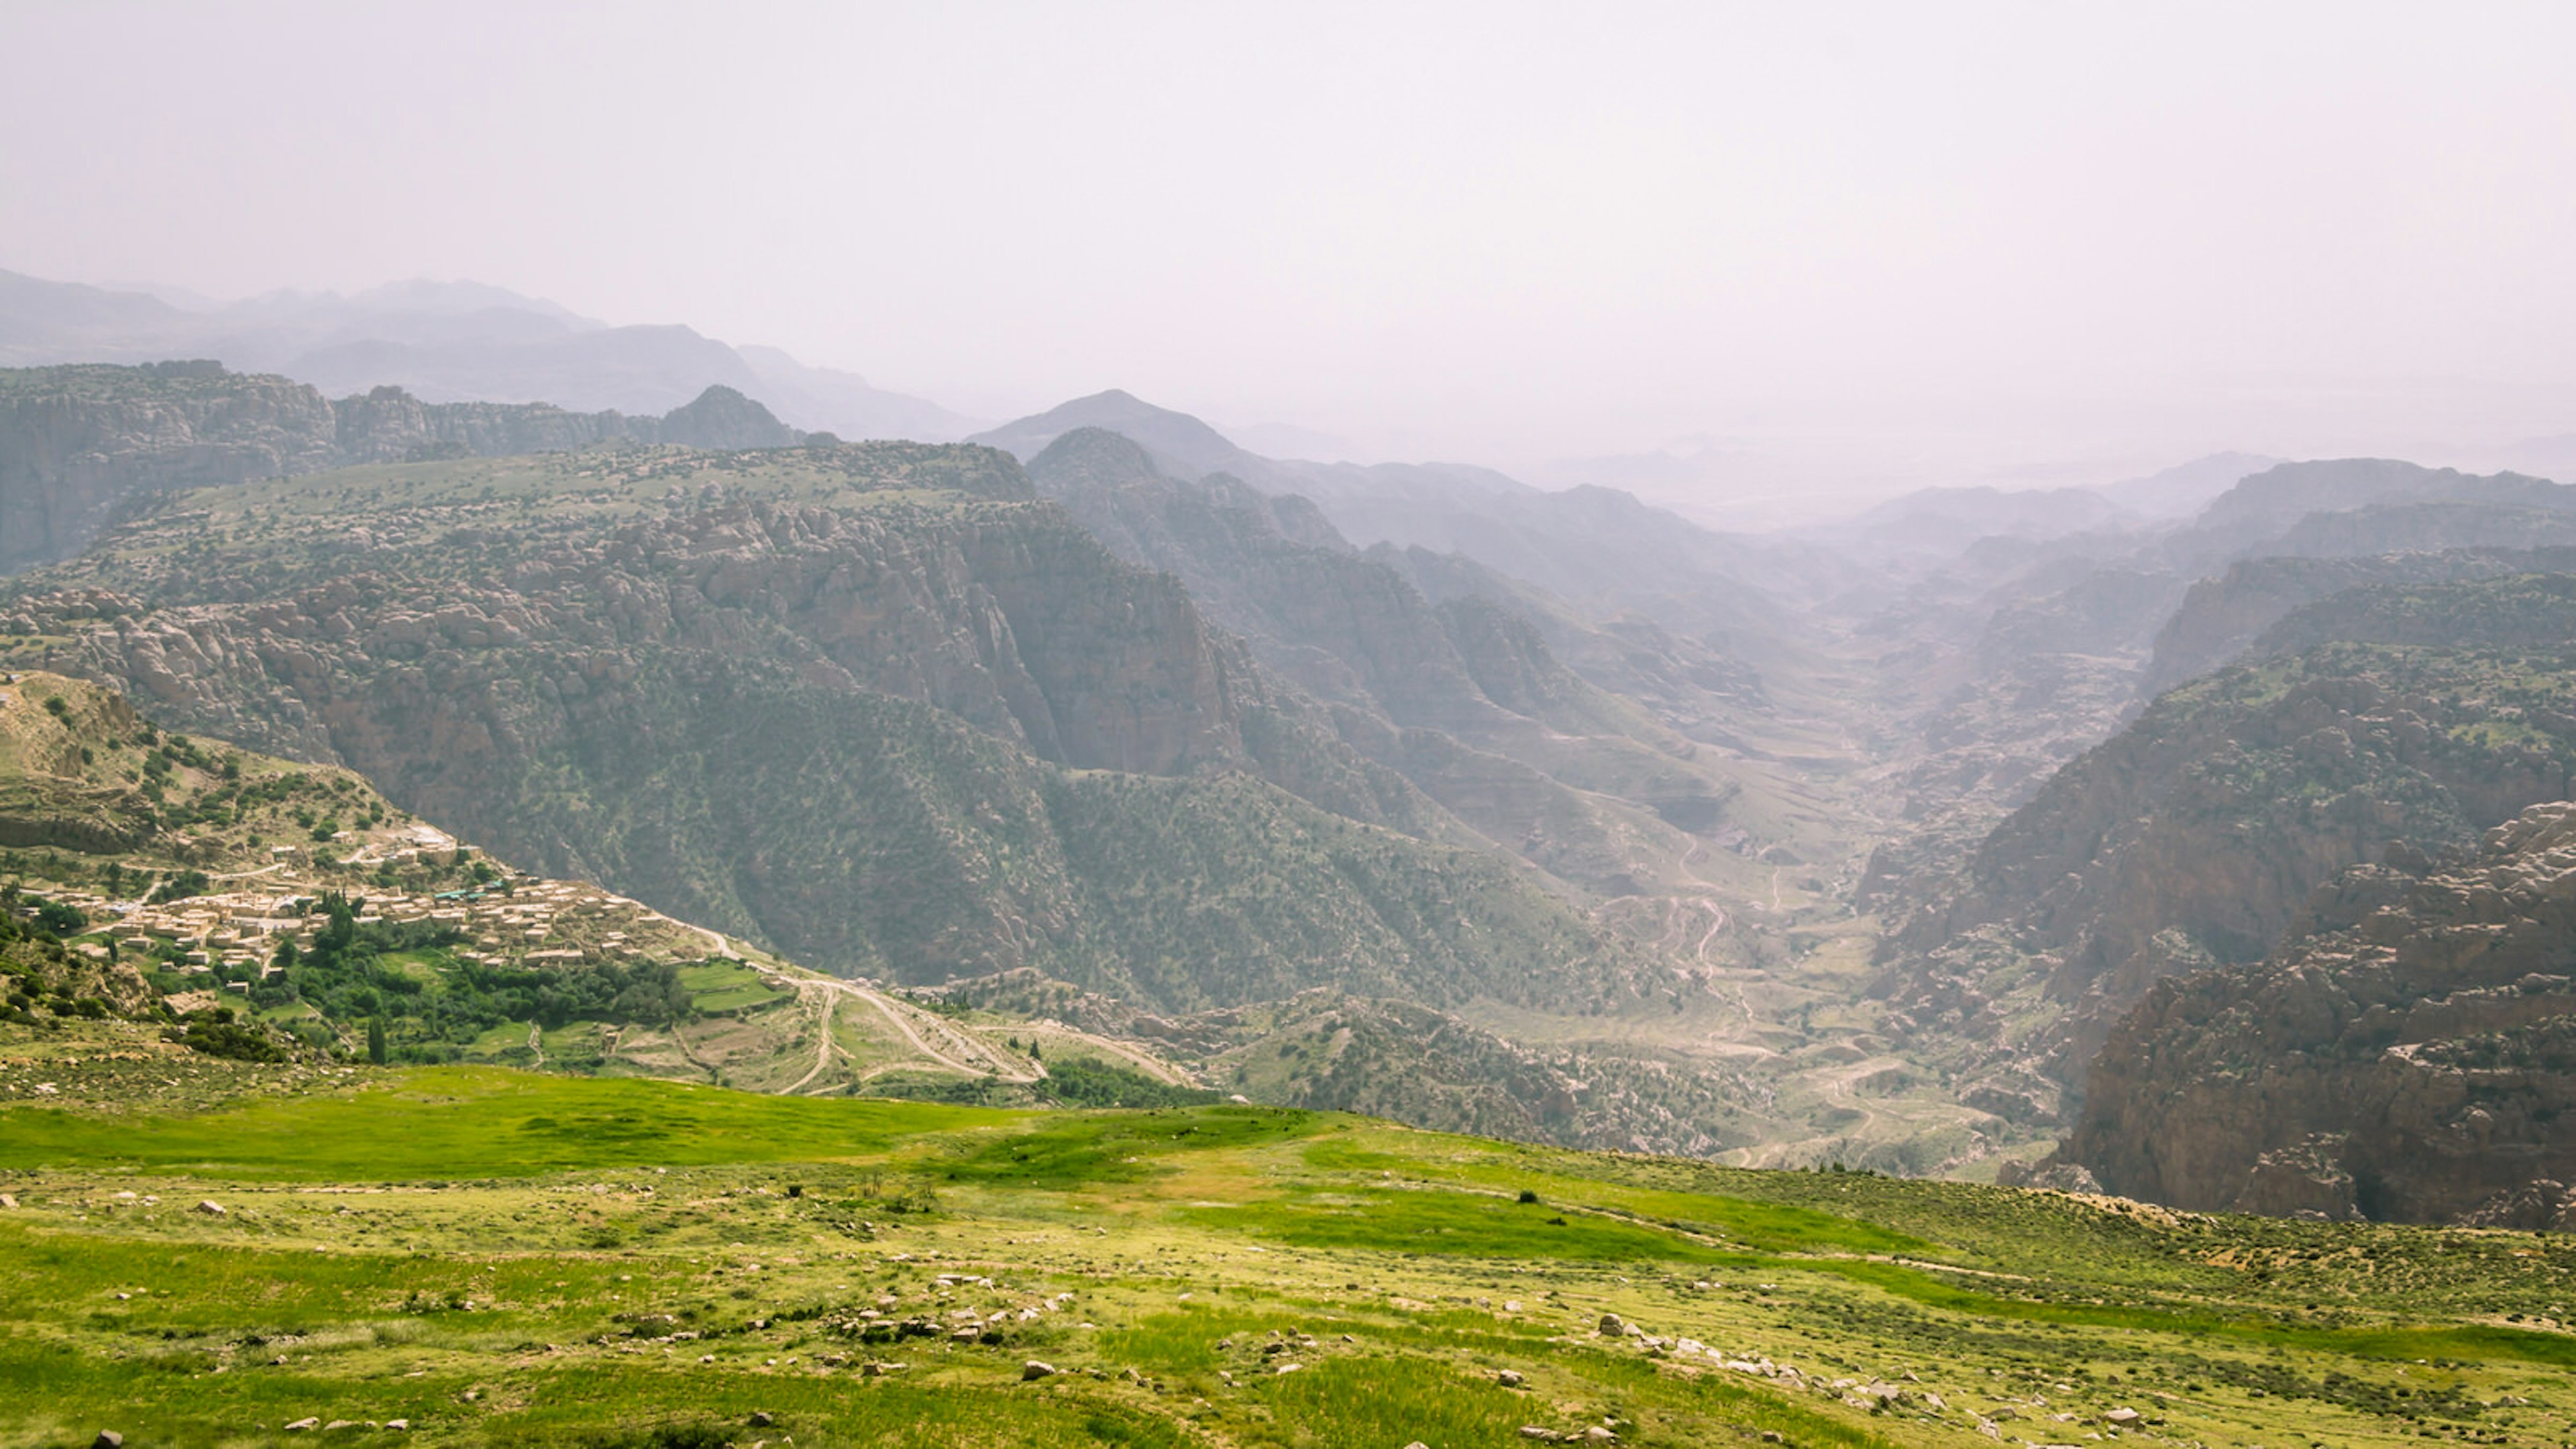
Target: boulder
column 1036, row 1370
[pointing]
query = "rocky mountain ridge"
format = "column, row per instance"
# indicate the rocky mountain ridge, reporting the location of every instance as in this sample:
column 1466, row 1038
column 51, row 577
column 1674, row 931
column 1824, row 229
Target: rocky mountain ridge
column 2410, row 1055
column 80, row 443
column 870, row 703
column 2195, row 836
column 1463, row 698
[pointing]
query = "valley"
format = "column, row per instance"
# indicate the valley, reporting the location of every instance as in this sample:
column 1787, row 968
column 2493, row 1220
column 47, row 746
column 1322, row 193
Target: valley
column 1287, row 727
column 945, row 766
column 982, row 792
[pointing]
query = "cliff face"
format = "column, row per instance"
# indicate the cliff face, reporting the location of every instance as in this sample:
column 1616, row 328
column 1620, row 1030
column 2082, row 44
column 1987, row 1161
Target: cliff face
column 2414, row 1058
column 75, row 442
column 2194, row 837
column 1465, row 700
column 820, row 698
column 79, row 443
column 2364, row 506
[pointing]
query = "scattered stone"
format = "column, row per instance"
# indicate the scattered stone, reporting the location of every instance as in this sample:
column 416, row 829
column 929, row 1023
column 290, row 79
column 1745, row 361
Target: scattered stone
column 1036, row 1370
column 398, row 1425
column 1540, row 1432
column 340, row 1424
column 300, row 1425
column 1599, row 1435
column 1508, row 1379
column 2123, row 1416
column 1613, row 1325
column 6, row 1201
column 1289, row 1368
column 211, row 1208
column 107, row 1438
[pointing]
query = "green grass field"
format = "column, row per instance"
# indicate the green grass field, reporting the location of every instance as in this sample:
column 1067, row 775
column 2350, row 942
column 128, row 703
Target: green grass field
column 511, row 1258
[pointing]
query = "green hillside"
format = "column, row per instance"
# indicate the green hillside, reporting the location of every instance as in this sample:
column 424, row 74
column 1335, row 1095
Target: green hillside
column 458, row 1255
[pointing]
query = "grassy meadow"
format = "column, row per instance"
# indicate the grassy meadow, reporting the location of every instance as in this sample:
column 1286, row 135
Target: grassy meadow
column 499, row 1257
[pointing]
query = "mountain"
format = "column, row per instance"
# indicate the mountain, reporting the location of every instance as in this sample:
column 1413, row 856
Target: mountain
column 260, row 910
column 1946, row 520
column 81, row 444
column 2186, row 488
column 2224, row 614
column 2380, row 719
column 1597, row 548
column 450, row 342
column 1464, row 698
column 1179, row 444
column 2361, row 506
column 2409, row 1056
column 873, row 706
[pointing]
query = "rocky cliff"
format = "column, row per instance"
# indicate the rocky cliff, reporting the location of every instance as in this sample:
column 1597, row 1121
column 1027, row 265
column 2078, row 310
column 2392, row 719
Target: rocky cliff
column 873, row 704
column 2412, row 1056
column 2194, row 837
column 2222, row 615
column 80, row 443
column 1465, row 699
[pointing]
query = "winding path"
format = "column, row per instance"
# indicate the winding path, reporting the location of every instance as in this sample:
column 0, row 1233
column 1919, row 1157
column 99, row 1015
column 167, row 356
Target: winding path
column 822, row 1046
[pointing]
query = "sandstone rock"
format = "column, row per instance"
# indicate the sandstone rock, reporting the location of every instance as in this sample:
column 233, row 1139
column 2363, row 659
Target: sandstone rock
column 2417, row 1065
column 210, row 1208
column 1036, row 1370
column 108, row 1439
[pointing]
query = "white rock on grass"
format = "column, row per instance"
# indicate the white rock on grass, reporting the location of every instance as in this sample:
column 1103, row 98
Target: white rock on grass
column 1036, row 1370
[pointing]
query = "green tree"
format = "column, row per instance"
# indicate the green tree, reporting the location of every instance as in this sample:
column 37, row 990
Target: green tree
column 376, row 1040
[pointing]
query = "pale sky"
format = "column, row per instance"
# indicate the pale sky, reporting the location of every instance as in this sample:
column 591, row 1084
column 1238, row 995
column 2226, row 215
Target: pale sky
column 1944, row 237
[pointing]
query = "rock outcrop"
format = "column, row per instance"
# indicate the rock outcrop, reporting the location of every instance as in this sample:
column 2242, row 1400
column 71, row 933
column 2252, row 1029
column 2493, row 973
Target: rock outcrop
column 2414, row 1059
column 2412, row 716
column 81, row 443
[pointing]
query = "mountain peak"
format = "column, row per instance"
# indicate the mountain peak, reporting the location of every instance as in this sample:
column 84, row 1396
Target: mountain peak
column 1182, row 446
column 723, row 417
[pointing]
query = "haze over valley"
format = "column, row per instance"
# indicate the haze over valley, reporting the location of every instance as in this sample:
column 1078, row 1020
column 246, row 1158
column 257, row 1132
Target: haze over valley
column 1532, row 765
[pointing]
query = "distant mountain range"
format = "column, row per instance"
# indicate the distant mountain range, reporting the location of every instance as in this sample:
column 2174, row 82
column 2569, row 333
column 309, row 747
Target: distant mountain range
column 452, row 342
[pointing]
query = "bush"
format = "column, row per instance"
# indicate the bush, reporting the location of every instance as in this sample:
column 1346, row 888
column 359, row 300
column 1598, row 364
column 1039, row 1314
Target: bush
column 220, row 1036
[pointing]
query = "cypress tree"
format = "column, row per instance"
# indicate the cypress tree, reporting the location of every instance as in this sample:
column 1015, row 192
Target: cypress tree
column 376, row 1040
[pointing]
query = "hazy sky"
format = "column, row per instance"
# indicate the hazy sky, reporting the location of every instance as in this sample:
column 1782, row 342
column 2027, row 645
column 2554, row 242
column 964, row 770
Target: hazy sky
column 1904, row 236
